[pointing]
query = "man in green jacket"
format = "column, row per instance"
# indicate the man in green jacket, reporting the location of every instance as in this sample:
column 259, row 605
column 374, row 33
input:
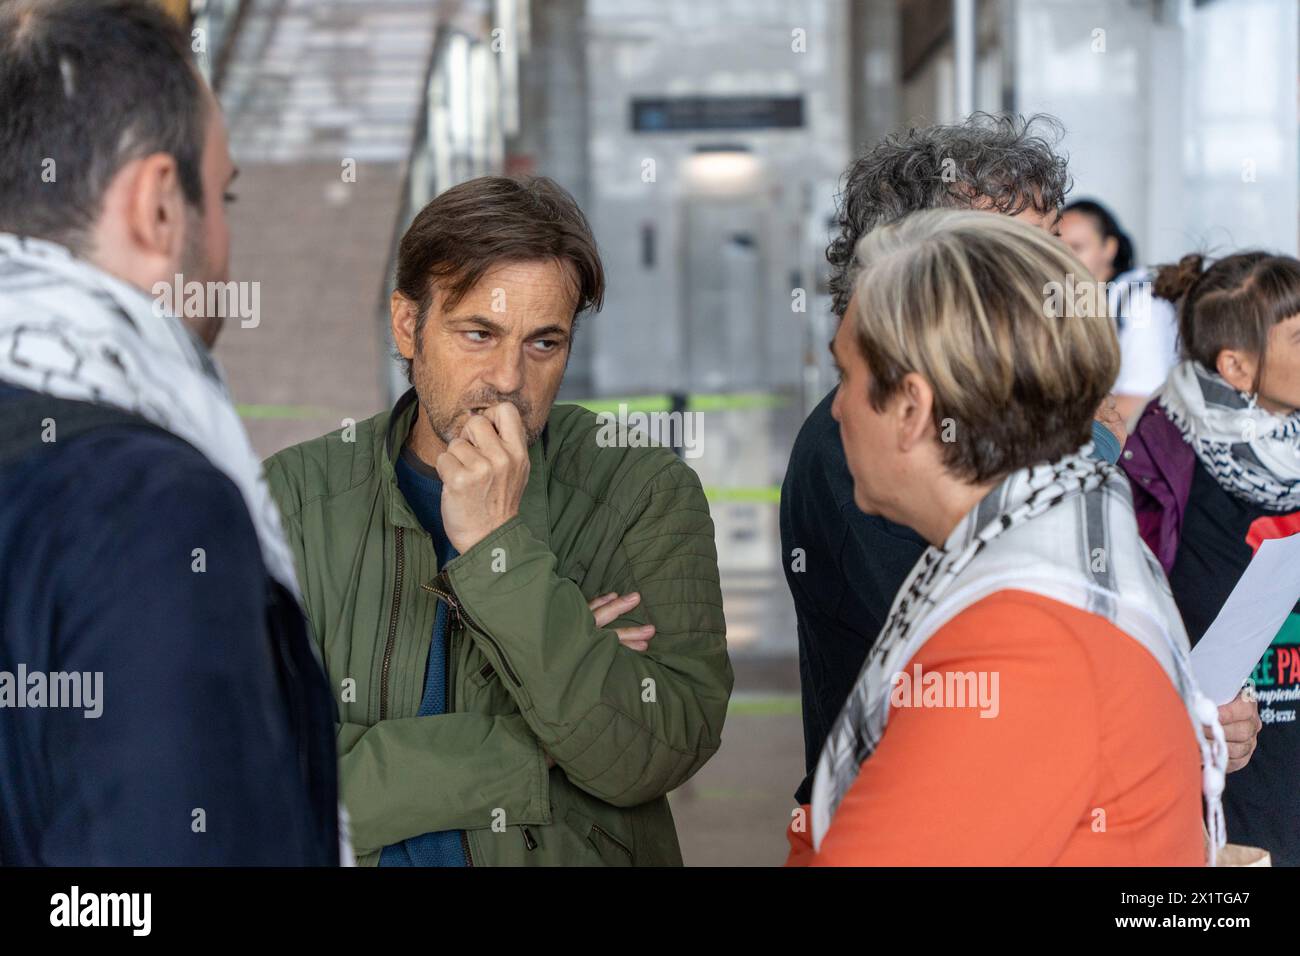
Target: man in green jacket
column 521, row 620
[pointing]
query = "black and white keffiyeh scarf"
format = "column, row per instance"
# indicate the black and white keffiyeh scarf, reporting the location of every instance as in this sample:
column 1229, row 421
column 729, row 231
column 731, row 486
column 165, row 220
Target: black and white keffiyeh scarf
column 1066, row 531
column 1252, row 453
column 72, row 331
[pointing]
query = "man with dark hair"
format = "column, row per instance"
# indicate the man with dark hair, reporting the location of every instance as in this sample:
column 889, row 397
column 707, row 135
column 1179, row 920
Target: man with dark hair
column 844, row 567
column 162, row 702
column 521, row 608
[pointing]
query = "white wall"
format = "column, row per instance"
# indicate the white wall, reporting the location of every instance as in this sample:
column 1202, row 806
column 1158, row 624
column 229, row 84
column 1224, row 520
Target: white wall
column 1239, row 139
column 1086, row 62
column 1180, row 116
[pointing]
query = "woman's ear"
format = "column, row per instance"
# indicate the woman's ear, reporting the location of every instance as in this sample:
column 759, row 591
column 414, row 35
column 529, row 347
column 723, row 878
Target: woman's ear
column 1237, row 368
column 913, row 409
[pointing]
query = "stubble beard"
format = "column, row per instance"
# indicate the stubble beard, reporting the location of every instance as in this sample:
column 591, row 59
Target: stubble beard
column 447, row 421
column 194, row 267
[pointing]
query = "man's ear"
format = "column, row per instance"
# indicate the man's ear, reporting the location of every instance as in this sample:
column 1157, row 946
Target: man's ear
column 913, row 405
column 1237, row 369
column 404, row 314
column 155, row 207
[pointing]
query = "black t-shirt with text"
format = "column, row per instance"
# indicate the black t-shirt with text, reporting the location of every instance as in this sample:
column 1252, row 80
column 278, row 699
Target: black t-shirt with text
column 1219, row 534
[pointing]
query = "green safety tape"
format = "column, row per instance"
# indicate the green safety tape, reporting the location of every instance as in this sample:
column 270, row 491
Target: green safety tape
column 295, row 412
column 782, row 706
column 741, row 401
column 770, row 494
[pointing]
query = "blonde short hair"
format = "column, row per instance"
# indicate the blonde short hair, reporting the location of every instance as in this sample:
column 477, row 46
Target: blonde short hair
column 983, row 307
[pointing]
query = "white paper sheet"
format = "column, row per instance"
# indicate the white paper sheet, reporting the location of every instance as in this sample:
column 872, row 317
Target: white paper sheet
column 1249, row 620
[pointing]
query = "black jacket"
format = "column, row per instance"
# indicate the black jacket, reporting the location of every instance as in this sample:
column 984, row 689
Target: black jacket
column 215, row 738
column 852, row 566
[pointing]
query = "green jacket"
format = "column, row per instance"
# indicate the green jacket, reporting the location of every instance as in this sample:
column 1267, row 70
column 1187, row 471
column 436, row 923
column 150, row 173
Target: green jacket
column 530, row 673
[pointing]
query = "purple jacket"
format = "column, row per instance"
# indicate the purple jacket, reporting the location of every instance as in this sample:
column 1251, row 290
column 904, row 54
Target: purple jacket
column 1160, row 464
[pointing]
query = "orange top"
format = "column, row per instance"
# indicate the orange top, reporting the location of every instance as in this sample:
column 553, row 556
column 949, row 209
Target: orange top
column 1090, row 760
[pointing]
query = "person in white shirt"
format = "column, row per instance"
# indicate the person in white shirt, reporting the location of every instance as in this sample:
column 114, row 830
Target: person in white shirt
column 1147, row 325
column 1148, row 339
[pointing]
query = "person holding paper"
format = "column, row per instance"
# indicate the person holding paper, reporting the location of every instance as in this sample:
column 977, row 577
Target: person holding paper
column 1215, row 469
column 1029, row 700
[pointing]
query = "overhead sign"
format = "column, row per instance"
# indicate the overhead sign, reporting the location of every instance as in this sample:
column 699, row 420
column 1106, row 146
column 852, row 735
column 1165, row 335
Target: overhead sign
column 679, row 114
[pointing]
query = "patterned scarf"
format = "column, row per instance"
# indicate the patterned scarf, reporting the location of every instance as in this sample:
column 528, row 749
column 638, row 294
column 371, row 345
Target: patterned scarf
column 1065, row 531
column 71, row 331
column 1253, row 454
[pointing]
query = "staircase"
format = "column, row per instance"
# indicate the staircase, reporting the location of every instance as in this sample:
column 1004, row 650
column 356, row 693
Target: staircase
column 314, row 91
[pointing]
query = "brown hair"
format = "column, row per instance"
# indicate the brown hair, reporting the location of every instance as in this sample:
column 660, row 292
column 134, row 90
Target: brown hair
column 1231, row 305
column 475, row 226
column 971, row 301
column 105, row 82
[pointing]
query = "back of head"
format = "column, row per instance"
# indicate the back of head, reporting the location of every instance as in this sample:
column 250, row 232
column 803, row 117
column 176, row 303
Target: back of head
column 86, row 87
column 1232, row 304
column 1006, row 164
column 964, row 299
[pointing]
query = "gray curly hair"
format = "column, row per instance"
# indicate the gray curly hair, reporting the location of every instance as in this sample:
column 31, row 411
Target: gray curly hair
column 1003, row 163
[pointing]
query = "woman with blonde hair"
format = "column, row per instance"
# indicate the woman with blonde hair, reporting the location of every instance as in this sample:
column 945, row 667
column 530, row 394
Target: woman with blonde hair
column 1029, row 700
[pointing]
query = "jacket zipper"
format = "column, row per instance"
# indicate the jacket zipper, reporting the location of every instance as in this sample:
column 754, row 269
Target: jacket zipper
column 446, row 594
column 597, row 828
column 460, row 620
column 392, row 623
column 388, row 653
column 449, row 676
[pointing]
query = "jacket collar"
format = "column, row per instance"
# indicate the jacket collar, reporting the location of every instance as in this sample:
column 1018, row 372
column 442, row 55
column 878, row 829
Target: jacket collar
column 1157, row 450
column 533, row 508
column 1160, row 466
